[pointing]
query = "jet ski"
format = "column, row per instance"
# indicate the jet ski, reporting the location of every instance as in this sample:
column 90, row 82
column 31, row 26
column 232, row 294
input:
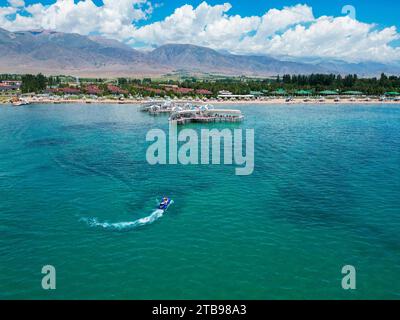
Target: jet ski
column 164, row 204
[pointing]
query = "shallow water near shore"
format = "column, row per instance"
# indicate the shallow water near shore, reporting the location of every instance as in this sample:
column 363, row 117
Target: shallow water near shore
column 77, row 193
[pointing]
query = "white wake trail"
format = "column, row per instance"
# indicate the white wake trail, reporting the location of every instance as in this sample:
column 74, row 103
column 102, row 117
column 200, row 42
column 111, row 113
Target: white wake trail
column 157, row 214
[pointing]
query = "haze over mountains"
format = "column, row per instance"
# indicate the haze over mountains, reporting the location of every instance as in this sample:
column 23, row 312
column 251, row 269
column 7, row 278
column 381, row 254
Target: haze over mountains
column 63, row 53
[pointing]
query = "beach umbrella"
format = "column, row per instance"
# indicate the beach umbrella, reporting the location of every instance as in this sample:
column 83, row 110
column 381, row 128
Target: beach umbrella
column 303, row 92
column 392, row 93
column 328, row 93
column 279, row 92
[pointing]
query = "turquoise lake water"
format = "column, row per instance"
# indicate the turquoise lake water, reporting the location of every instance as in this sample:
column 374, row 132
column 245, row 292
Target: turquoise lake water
column 325, row 193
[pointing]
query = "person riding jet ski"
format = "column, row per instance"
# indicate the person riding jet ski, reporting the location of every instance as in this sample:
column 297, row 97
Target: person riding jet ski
column 164, row 203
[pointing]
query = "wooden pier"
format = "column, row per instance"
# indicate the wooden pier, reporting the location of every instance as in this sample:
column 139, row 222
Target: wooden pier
column 206, row 116
column 207, row 120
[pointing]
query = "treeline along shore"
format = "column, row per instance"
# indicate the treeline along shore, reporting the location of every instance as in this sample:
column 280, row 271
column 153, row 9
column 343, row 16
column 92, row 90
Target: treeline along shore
column 287, row 88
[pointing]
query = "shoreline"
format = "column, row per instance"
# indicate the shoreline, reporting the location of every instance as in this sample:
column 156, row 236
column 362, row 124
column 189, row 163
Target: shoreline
column 216, row 102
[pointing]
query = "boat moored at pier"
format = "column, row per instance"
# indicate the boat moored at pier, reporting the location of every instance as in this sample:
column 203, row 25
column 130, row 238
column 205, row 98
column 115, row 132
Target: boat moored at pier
column 169, row 107
column 19, row 102
column 206, row 115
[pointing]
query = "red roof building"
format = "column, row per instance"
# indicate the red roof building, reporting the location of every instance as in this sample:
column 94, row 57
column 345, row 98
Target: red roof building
column 116, row 90
column 63, row 90
column 204, row 92
column 179, row 90
column 183, row 90
column 93, row 89
column 69, row 90
column 157, row 91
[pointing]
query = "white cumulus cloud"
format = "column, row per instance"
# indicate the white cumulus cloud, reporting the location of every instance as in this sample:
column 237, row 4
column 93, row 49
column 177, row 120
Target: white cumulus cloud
column 336, row 38
column 205, row 25
column 291, row 31
column 113, row 18
column 16, row 3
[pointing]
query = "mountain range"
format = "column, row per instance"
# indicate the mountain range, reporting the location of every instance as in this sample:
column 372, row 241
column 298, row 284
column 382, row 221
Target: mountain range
column 53, row 53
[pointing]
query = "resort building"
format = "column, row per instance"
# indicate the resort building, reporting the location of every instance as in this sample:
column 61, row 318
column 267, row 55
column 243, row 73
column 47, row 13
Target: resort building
column 204, row 92
column 224, row 93
column 179, row 90
column 116, row 90
column 14, row 83
column 93, row 90
column 69, row 90
column 8, row 86
column 4, row 88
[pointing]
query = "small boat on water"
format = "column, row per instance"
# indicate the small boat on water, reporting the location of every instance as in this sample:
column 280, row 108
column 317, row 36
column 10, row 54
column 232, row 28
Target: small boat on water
column 165, row 203
column 19, row 102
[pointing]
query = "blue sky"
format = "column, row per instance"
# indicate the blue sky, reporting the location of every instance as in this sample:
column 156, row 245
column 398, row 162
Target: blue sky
column 300, row 29
column 383, row 12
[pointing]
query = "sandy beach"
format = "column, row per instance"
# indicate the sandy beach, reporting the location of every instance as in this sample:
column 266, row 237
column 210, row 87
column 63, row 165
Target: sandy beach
column 272, row 101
